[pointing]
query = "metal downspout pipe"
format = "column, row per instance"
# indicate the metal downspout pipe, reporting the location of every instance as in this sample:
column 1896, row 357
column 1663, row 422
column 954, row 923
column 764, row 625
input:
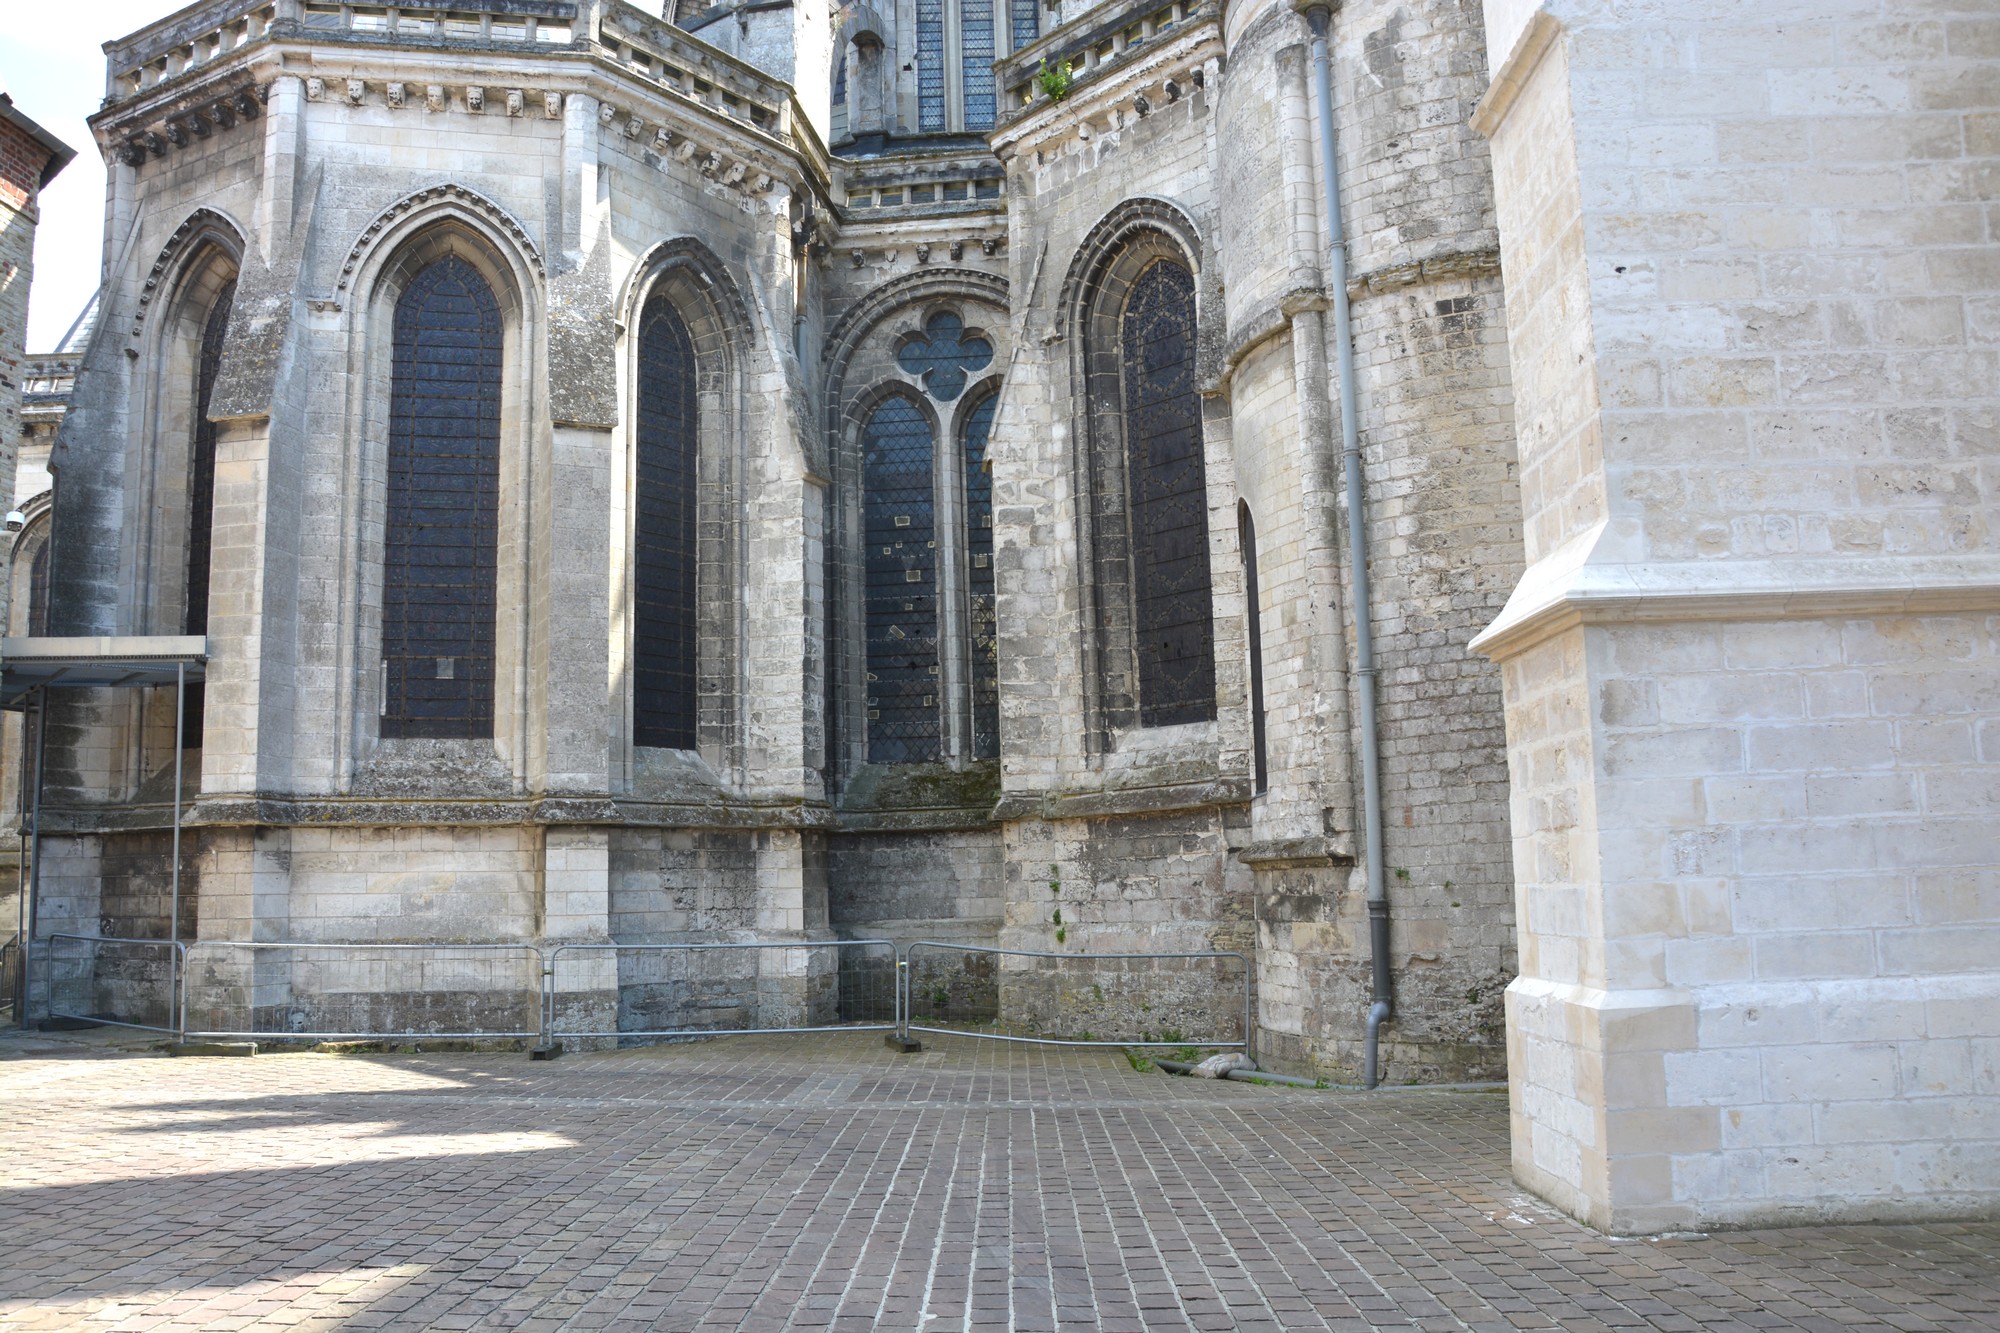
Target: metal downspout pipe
column 1381, row 1006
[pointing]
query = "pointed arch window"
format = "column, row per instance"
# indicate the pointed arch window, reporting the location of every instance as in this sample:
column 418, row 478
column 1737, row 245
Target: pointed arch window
column 201, row 498
column 1167, row 500
column 665, row 563
column 441, row 544
column 900, row 590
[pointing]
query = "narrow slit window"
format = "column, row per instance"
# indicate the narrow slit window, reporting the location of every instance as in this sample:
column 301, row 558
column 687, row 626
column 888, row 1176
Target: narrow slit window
column 665, row 564
column 201, row 500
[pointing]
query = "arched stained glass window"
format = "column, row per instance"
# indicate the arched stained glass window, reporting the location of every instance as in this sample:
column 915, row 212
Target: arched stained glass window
column 899, row 525
column 1167, row 500
column 441, row 544
column 930, row 66
column 975, row 18
column 664, row 565
column 201, row 498
column 979, row 557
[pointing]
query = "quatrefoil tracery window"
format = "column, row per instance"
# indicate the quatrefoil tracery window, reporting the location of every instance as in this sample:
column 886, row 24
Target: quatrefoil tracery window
column 943, row 355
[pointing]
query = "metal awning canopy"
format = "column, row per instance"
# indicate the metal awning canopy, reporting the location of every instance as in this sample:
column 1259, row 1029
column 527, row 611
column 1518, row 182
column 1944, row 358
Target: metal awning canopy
column 104, row 661
column 32, row 665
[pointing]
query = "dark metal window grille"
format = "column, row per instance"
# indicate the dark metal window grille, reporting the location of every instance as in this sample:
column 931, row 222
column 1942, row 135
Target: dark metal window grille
column 201, row 499
column 663, row 693
column 930, row 65
column 441, row 547
column 898, row 522
column 1026, row 18
column 1173, row 621
column 1246, row 531
column 979, row 555
column 976, row 39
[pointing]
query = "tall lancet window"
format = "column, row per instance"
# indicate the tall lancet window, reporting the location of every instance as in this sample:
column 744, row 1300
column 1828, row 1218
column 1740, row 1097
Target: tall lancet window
column 664, row 565
column 440, row 549
column 1166, row 486
column 898, row 523
column 201, row 498
column 979, row 581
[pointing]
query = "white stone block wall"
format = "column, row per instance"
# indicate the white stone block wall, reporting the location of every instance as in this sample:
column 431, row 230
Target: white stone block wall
column 1750, row 673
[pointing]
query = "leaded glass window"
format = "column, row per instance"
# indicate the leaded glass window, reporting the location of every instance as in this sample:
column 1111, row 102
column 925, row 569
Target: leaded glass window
column 201, row 498
column 664, row 564
column 943, row 355
column 1167, row 497
column 930, row 66
column 898, row 523
column 976, row 51
column 979, row 582
column 440, row 546
column 1026, row 18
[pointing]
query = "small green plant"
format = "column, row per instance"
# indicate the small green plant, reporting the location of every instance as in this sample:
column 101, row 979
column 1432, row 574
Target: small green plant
column 1055, row 80
column 1172, row 1034
column 1085, row 1035
column 1096, row 991
column 1321, row 1084
column 1056, row 916
column 1137, row 1059
column 1402, row 874
column 1062, row 935
column 940, row 996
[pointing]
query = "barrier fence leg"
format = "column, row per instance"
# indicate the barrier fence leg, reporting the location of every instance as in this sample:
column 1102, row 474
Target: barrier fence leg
column 547, row 1047
column 900, row 1040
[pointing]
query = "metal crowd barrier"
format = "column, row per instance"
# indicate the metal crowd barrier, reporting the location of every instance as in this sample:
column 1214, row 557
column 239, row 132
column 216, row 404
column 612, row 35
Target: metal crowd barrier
column 667, row 980
column 650, row 990
column 983, row 1014
column 301, row 986
column 176, row 954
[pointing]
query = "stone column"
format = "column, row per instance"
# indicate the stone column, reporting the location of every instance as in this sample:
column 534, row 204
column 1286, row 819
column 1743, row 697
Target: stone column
column 1752, row 673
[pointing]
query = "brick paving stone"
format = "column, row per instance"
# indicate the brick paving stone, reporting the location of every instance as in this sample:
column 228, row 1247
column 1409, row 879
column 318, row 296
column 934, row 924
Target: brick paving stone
column 768, row 1184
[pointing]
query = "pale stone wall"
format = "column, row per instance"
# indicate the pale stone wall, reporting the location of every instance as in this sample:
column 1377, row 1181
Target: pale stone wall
column 1749, row 671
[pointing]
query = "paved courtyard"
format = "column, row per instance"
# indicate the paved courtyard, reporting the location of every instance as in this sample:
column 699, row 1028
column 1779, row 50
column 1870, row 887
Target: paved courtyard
column 760, row 1183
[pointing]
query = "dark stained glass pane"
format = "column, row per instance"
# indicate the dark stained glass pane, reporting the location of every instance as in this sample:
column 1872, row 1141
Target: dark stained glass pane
column 441, row 545
column 979, row 554
column 899, row 526
column 201, row 499
column 976, row 38
column 930, row 65
column 944, row 355
column 1026, row 18
column 663, row 693
column 1168, row 501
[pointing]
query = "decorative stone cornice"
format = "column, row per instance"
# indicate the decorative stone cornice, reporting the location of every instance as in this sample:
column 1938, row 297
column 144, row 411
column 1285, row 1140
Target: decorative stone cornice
column 186, row 122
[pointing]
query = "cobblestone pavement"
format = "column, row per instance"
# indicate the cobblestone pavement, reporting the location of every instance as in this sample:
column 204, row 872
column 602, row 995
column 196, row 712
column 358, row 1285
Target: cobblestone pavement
column 828, row 1183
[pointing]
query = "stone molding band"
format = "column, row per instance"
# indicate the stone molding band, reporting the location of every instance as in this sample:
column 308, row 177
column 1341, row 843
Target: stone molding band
column 1561, row 594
